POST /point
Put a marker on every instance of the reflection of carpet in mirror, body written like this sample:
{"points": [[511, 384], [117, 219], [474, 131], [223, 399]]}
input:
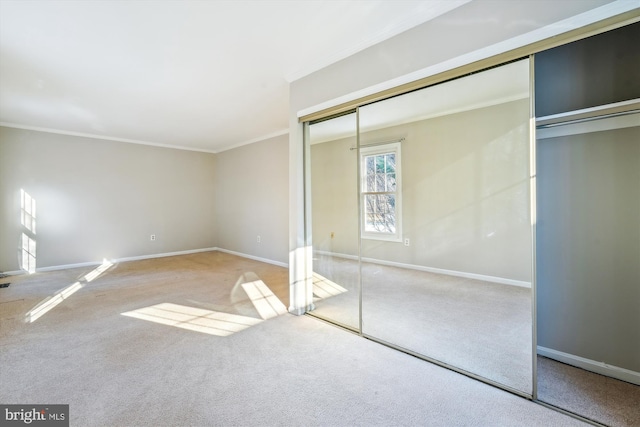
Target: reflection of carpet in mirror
{"points": [[597, 397], [478, 326]]}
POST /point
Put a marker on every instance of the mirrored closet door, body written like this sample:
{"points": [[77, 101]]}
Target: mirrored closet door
{"points": [[333, 200], [446, 227]]}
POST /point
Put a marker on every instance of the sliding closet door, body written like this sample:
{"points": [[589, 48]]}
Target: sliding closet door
{"points": [[333, 195], [445, 220]]}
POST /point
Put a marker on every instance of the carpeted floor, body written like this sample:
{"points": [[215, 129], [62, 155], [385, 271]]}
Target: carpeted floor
{"points": [[481, 327], [606, 400], [118, 370]]}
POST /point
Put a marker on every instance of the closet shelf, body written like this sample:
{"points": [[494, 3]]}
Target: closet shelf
{"points": [[601, 111]]}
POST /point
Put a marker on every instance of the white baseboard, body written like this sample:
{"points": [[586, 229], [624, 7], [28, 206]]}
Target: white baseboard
{"points": [[482, 277], [67, 266], [117, 260], [14, 272], [337, 255], [255, 258], [141, 257], [591, 365], [191, 251]]}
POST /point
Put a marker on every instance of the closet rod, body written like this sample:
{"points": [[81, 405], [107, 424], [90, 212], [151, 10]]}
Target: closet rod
{"points": [[587, 119], [608, 110]]}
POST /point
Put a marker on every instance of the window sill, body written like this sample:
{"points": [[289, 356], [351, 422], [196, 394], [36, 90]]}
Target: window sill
{"points": [[382, 237]]}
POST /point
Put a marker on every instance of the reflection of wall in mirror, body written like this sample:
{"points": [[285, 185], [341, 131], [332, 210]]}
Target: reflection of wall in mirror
{"points": [[465, 194]]}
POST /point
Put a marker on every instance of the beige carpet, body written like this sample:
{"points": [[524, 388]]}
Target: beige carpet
{"points": [[118, 370], [606, 400]]}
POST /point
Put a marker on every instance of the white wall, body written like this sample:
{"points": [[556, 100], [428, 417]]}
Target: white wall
{"points": [[588, 246], [103, 199], [252, 187]]}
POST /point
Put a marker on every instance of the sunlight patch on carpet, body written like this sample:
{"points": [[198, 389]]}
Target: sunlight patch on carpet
{"points": [[194, 319], [49, 303], [325, 288], [265, 302]]}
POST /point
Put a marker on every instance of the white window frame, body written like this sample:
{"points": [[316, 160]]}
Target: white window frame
{"points": [[393, 147]]}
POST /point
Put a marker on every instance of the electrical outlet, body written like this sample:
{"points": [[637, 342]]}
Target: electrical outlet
{"points": [[406, 242], [153, 237], [258, 239]]}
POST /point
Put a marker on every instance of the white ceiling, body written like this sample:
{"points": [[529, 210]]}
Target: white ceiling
{"points": [[202, 75]]}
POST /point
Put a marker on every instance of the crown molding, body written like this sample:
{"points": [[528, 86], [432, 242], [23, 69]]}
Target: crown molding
{"points": [[103, 137]]}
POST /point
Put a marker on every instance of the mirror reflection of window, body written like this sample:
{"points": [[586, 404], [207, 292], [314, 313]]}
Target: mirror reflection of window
{"points": [[381, 192]]}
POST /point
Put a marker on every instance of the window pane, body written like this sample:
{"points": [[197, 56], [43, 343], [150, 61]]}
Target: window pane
{"points": [[370, 165], [369, 203], [391, 182], [380, 182], [379, 164], [368, 226], [391, 163], [389, 202], [369, 208], [370, 183], [380, 213], [369, 173]]}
